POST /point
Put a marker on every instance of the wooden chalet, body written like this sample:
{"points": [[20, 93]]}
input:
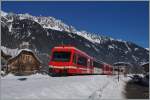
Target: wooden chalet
{"points": [[26, 62]]}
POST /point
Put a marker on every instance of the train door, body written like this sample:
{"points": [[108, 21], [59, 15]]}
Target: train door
{"points": [[74, 61], [88, 66], [82, 64], [111, 70], [107, 69], [95, 65], [104, 69], [91, 66]]}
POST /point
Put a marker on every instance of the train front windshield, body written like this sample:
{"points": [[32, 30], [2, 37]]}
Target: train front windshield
{"points": [[61, 56]]}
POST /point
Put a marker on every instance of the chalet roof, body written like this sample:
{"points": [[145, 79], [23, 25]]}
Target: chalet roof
{"points": [[19, 51], [25, 50]]}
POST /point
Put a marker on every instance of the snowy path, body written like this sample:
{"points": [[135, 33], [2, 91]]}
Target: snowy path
{"points": [[72, 87], [112, 89]]}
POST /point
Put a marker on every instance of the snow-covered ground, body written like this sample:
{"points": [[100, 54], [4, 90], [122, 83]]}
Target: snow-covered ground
{"points": [[72, 87]]}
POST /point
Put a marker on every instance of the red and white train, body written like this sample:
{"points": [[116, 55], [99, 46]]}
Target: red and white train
{"points": [[68, 60]]}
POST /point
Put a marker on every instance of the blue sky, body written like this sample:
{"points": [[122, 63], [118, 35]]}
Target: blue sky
{"points": [[121, 20]]}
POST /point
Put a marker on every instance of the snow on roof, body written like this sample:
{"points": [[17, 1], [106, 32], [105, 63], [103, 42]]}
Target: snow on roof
{"points": [[124, 63], [15, 52], [28, 50]]}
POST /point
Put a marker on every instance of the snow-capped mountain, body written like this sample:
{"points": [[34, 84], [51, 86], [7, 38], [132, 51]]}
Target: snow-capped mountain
{"points": [[45, 22], [43, 33], [55, 24]]}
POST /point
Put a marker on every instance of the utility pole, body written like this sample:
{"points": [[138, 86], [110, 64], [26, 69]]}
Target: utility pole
{"points": [[118, 73]]}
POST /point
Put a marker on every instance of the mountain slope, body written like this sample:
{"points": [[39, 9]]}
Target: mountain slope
{"points": [[43, 33]]}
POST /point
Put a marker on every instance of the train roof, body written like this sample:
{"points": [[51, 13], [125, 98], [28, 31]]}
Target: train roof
{"points": [[72, 47]]}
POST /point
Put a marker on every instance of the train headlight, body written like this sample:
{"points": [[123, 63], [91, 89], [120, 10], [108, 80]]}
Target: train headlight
{"points": [[50, 66]]}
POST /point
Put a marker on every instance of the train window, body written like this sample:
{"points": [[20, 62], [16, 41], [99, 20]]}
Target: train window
{"points": [[100, 65], [96, 64], [74, 58], [61, 56], [82, 61]]}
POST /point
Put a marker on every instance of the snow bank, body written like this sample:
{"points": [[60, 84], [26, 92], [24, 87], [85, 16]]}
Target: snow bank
{"points": [[45, 87]]}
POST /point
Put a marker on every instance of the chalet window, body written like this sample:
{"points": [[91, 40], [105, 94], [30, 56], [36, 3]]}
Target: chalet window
{"points": [[30, 59], [61, 56], [82, 61], [26, 57]]}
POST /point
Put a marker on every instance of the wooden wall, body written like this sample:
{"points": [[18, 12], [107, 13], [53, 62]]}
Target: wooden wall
{"points": [[24, 63]]}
